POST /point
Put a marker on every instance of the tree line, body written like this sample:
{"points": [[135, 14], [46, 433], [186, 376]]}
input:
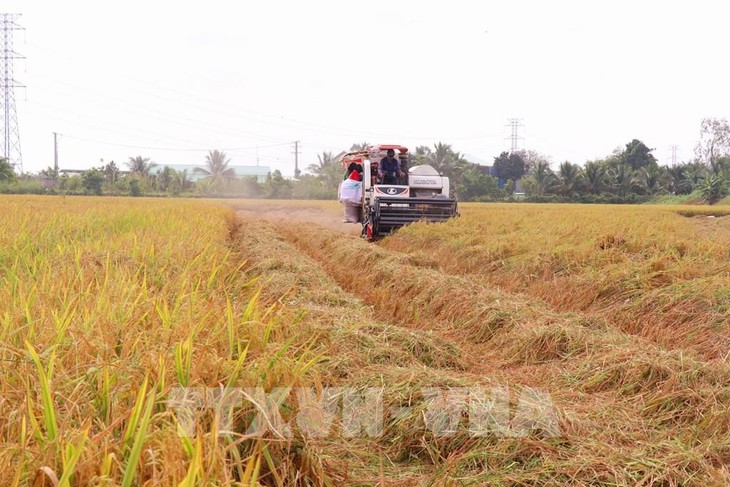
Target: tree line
{"points": [[629, 174]]}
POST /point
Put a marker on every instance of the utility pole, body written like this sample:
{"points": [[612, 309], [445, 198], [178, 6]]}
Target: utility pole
{"points": [[297, 172], [515, 124], [55, 153], [11, 135]]}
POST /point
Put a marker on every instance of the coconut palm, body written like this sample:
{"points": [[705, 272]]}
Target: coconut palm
{"points": [[326, 169], [570, 176], [217, 168], [543, 179], [595, 175], [443, 158], [650, 178], [359, 147], [140, 166], [621, 179]]}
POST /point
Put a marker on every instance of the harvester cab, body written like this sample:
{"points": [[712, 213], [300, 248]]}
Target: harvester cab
{"points": [[420, 193]]}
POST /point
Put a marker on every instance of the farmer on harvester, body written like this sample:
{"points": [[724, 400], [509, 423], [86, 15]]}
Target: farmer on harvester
{"points": [[389, 169]]}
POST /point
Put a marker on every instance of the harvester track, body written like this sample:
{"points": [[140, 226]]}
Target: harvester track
{"points": [[584, 361]]}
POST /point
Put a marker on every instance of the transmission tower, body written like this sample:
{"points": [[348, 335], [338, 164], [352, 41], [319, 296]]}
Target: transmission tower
{"points": [[11, 134], [515, 124], [674, 154]]}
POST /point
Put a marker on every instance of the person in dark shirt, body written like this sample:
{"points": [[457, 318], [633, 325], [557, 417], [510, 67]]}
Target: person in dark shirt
{"points": [[389, 168]]}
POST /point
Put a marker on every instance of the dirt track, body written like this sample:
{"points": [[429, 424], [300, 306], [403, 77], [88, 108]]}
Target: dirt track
{"points": [[325, 217]]}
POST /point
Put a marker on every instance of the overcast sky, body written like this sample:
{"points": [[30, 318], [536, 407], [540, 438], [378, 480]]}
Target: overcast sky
{"points": [[121, 79]]}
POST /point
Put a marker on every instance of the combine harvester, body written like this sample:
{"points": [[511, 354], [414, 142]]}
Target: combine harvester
{"points": [[421, 195]]}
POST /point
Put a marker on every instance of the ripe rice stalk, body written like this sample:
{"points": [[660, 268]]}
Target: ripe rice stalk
{"points": [[139, 439], [194, 472], [71, 455], [20, 467], [107, 465], [253, 466], [183, 359], [135, 415], [44, 375], [63, 320]]}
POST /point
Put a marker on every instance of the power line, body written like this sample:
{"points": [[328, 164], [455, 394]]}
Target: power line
{"points": [[11, 133], [163, 91], [130, 146]]}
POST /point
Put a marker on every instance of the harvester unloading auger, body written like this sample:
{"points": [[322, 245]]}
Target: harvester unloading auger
{"points": [[420, 194]]}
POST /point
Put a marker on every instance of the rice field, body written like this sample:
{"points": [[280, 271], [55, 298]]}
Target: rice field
{"points": [[182, 342]]}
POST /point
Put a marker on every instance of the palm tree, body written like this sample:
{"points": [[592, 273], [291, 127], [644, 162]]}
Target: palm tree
{"points": [[140, 166], [218, 169], [650, 177], [679, 182], [543, 178], [443, 158], [326, 169], [570, 177], [595, 174], [621, 178], [359, 147]]}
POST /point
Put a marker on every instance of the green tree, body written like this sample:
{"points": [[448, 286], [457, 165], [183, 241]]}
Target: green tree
{"points": [[696, 172], [359, 146], [327, 169], [92, 181], [311, 187], [637, 155], [180, 182], [678, 181], [509, 166], [570, 177], [532, 159], [111, 173], [541, 180], [714, 188], [443, 158], [217, 168], [7, 174], [651, 177], [621, 178], [714, 142], [140, 166], [476, 184], [135, 188], [49, 172], [595, 176], [250, 187], [277, 187], [164, 178]]}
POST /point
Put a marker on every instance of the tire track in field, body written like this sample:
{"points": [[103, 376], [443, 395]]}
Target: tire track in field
{"points": [[363, 351], [672, 395]]}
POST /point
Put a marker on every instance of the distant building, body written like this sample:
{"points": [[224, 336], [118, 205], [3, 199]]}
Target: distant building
{"points": [[259, 171]]}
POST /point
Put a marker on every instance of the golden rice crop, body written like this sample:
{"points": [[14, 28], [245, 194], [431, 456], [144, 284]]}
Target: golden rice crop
{"points": [[110, 304], [106, 305]]}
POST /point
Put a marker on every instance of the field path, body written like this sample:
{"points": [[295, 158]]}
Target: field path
{"points": [[329, 216]]}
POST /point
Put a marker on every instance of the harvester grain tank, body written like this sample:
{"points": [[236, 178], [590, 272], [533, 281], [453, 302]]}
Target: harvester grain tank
{"points": [[421, 194]]}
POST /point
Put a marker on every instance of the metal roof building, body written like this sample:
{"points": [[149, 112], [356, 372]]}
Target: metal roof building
{"points": [[259, 171]]}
